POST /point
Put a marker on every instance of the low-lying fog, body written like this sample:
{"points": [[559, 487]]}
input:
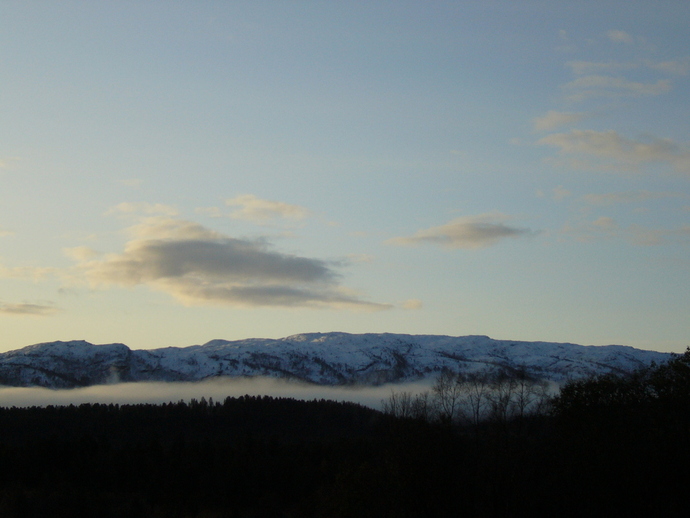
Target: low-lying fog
{"points": [[217, 388]]}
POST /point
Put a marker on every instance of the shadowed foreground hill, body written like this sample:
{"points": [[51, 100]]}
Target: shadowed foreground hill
{"points": [[614, 445]]}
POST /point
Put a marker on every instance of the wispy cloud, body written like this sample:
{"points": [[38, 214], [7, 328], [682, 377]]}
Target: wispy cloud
{"points": [[555, 119], [613, 198], [643, 236], [601, 228], [626, 154], [35, 273], [617, 36], [197, 265], [680, 67], [80, 253], [596, 67], [133, 183], [251, 208], [142, 208], [248, 207], [6, 162], [412, 304], [560, 193], [28, 309], [565, 43], [587, 87], [606, 228], [469, 232], [212, 212], [6, 233], [675, 67], [360, 258]]}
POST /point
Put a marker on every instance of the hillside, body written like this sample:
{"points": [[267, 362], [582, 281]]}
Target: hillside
{"points": [[320, 358]]}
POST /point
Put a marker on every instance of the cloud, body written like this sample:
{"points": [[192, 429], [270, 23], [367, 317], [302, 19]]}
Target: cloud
{"points": [[642, 236], [35, 273], [470, 232], [613, 198], [134, 183], [605, 228], [601, 228], [677, 67], [7, 161], [566, 45], [412, 304], [80, 253], [560, 193], [557, 193], [620, 37], [5, 233], [360, 258], [27, 309], [554, 119], [593, 67], [625, 153], [211, 212], [587, 87], [200, 266], [142, 208], [680, 67], [257, 210]]}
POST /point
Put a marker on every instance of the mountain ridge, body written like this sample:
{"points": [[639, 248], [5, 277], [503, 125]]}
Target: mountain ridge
{"points": [[334, 358]]}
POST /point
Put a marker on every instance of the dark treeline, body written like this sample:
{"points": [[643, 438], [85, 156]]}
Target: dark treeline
{"points": [[608, 446]]}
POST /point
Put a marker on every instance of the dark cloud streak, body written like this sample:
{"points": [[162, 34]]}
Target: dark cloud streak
{"points": [[468, 232], [27, 309]]}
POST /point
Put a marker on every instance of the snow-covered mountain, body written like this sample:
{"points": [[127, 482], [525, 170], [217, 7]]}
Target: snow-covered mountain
{"points": [[322, 358]]}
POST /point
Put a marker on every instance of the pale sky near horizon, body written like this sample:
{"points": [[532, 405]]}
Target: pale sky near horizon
{"points": [[175, 172]]}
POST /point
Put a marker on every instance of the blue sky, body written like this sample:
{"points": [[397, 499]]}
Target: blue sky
{"points": [[175, 172]]}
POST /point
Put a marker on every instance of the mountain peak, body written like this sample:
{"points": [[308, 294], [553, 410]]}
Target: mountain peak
{"points": [[321, 358]]}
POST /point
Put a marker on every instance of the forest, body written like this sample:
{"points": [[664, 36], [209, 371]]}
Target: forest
{"points": [[613, 445]]}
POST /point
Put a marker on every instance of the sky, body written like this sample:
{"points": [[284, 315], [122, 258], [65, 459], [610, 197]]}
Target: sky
{"points": [[175, 172]]}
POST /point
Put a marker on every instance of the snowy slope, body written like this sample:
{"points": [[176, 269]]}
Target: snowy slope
{"points": [[322, 358]]}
